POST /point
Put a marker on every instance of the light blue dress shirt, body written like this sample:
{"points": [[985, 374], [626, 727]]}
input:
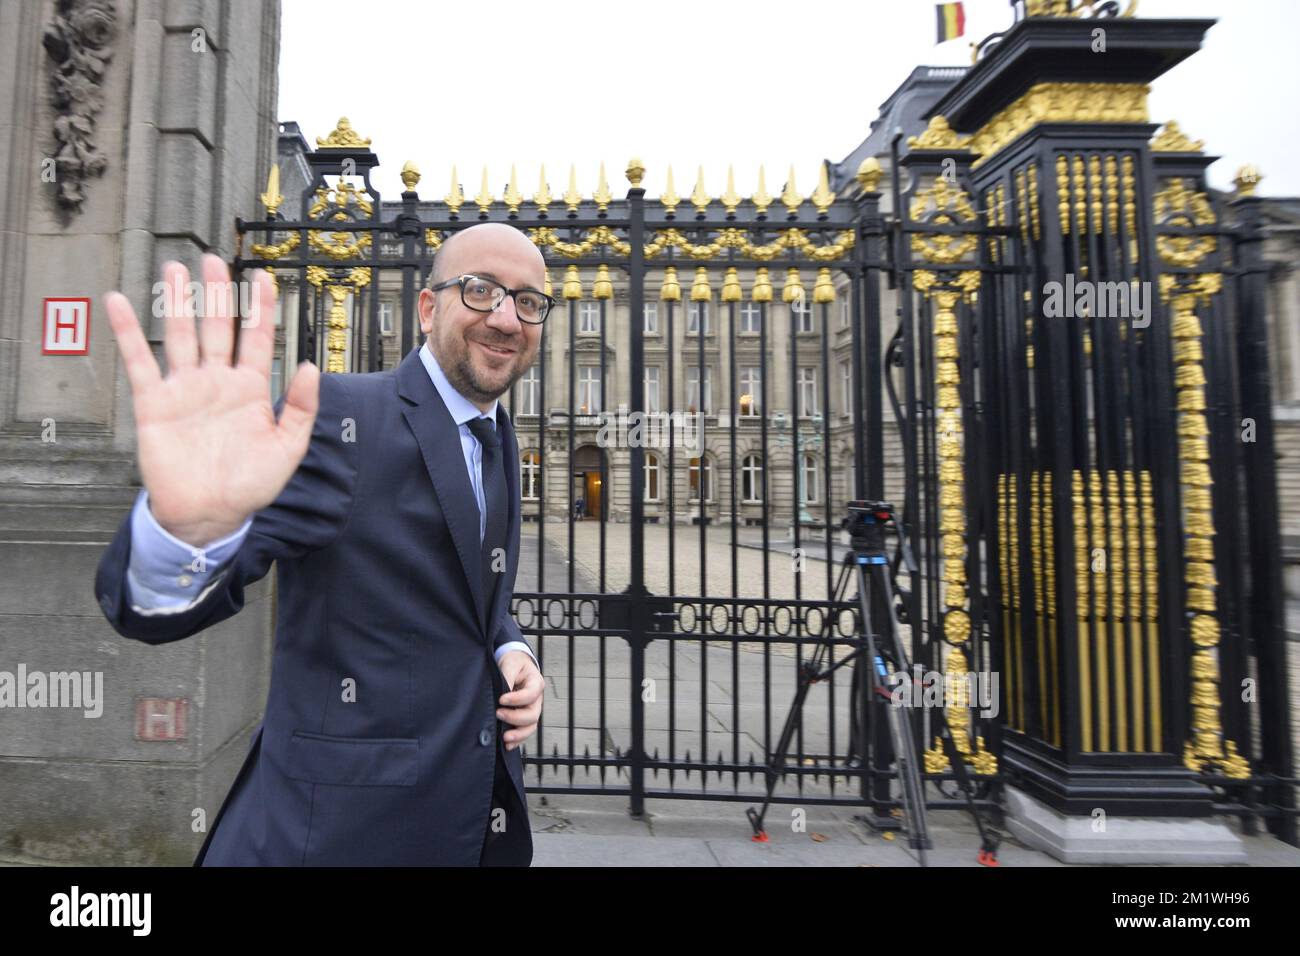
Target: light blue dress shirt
{"points": [[166, 576]]}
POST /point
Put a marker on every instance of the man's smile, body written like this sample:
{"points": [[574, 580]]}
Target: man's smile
{"points": [[496, 349]]}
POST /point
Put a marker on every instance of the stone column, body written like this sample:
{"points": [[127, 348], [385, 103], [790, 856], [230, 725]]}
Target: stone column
{"points": [[136, 132]]}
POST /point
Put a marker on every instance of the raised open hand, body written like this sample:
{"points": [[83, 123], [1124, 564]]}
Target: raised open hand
{"points": [[211, 451]]}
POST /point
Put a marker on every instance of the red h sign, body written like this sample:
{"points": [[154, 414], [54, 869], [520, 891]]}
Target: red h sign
{"points": [[161, 718], [67, 327]]}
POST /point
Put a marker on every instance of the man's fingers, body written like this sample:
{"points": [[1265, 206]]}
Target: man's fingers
{"points": [[529, 691], [257, 330], [515, 737], [179, 341], [218, 334], [299, 411], [141, 369], [520, 716]]}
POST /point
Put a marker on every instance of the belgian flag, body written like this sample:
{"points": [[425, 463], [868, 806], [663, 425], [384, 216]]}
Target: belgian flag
{"points": [[951, 21]]}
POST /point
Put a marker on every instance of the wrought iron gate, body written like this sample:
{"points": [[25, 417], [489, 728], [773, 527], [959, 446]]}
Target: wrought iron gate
{"points": [[1085, 521]]}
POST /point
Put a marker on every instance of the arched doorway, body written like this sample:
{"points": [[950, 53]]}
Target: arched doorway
{"points": [[590, 482]]}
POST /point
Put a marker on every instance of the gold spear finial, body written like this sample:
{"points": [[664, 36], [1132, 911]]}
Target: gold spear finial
{"points": [[761, 198], [513, 196], [543, 195], [484, 197], [272, 199], [822, 196], [700, 196], [602, 195], [456, 197], [669, 196], [790, 197], [730, 198], [572, 197]]}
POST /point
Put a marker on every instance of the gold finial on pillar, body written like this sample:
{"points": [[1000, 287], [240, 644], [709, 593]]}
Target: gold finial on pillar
{"points": [[868, 175], [410, 175], [342, 137], [635, 171], [1171, 139], [1247, 179]]}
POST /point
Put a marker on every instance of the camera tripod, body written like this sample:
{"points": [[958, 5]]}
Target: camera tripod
{"points": [[867, 523]]}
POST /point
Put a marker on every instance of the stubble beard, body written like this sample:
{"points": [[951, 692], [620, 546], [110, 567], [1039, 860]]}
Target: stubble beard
{"points": [[466, 380]]}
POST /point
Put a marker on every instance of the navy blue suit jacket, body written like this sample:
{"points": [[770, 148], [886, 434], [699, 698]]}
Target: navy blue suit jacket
{"points": [[376, 544]]}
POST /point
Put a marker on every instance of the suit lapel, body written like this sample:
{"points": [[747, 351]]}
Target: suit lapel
{"points": [[439, 441]]}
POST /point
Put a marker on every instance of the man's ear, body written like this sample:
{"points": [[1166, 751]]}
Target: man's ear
{"points": [[426, 306]]}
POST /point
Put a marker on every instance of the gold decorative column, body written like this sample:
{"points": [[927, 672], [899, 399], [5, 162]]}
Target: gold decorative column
{"points": [[1207, 749], [952, 520]]}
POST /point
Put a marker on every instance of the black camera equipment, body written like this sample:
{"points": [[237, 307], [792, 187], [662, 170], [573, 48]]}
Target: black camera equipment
{"points": [[868, 523]]}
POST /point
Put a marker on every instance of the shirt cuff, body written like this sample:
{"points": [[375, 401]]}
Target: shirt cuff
{"points": [[517, 646], [166, 575]]}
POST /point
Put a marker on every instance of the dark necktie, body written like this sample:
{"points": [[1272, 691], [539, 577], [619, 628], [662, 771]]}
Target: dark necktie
{"points": [[494, 496]]}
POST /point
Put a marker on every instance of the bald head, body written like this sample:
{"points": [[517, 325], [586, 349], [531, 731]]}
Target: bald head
{"points": [[482, 353], [460, 252]]}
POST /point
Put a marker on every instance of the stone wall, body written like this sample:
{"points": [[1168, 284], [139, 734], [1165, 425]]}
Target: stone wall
{"points": [[186, 132]]}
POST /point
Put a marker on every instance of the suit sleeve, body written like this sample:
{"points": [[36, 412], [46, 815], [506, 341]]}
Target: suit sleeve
{"points": [[308, 515], [165, 575], [509, 634]]}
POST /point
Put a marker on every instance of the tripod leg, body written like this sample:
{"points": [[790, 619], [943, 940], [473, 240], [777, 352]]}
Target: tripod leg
{"points": [[988, 854], [810, 672], [900, 725]]}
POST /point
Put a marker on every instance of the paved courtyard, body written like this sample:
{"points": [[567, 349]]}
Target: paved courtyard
{"points": [[719, 690]]}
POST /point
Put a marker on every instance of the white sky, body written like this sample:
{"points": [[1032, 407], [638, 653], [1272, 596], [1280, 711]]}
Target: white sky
{"points": [[712, 83]]}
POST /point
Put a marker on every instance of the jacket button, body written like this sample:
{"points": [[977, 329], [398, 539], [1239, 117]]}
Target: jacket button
{"points": [[484, 737]]}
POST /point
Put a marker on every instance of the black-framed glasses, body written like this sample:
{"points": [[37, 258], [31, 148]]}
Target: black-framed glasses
{"points": [[485, 295]]}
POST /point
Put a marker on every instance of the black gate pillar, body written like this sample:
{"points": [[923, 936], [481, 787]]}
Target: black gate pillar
{"points": [[1093, 474]]}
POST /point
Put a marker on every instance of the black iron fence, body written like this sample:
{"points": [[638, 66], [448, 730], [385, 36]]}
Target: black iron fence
{"points": [[1053, 474]]}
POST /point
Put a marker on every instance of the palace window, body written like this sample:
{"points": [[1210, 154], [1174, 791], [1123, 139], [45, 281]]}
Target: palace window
{"points": [[651, 476], [807, 391], [695, 479], [530, 475], [751, 479], [588, 390], [693, 400], [751, 388]]}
